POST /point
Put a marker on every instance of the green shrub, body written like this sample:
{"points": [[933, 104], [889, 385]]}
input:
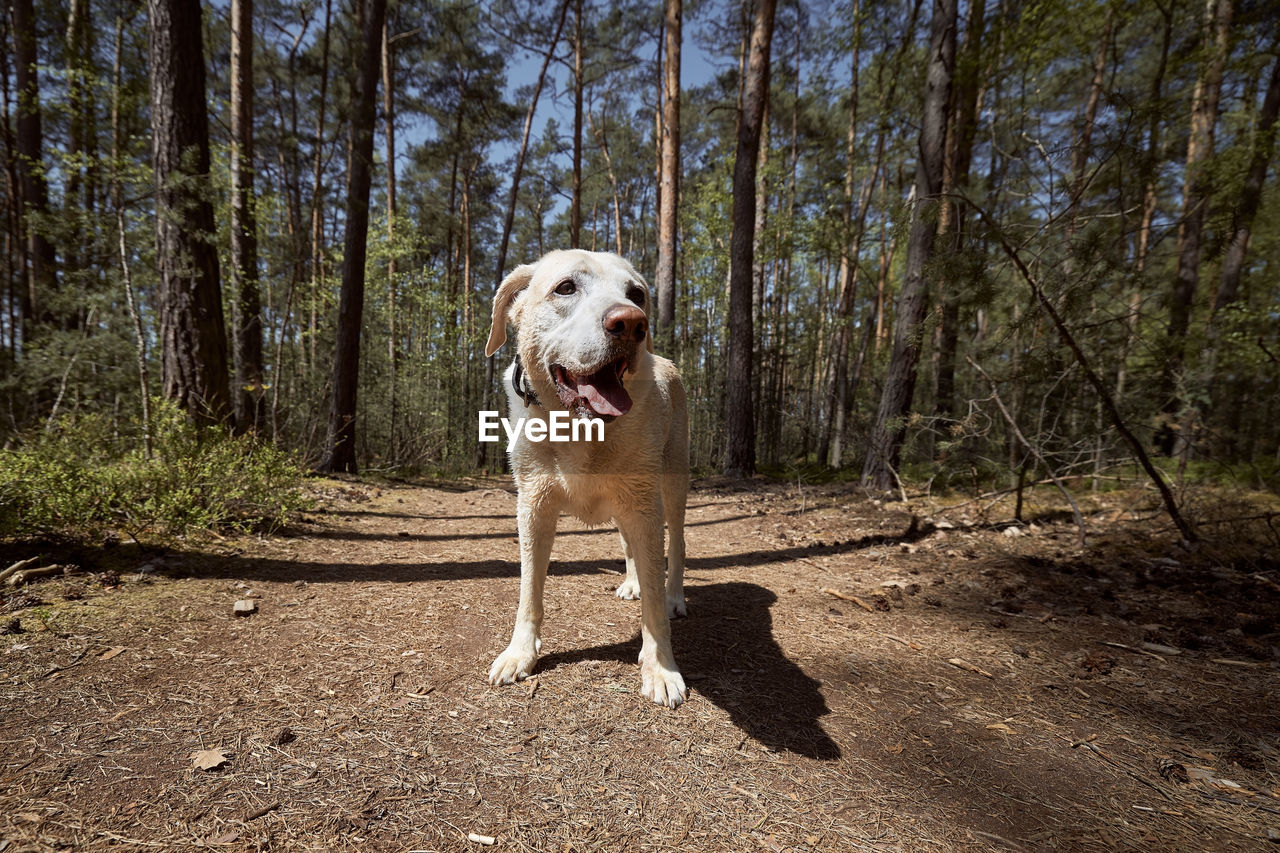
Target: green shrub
{"points": [[81, 479]]}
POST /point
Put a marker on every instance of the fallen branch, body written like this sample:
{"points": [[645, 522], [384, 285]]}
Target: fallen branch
{"points": [[844, 596], [1104, 396], [23, 576], [254, 815], [1116, 764], [18, 566], [1266, 581], [968, 667]]}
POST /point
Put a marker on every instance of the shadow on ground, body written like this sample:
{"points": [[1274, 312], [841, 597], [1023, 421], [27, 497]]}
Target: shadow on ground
{"points": [[727, 653]]}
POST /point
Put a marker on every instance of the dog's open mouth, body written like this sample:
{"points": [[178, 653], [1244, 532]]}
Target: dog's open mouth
{"points": [[598, 394]]}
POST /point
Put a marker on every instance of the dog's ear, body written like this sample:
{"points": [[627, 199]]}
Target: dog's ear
{"points": [[510, 288]]}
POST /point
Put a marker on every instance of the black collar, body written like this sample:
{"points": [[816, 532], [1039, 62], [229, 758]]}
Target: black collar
{"points": [[517, 384]]}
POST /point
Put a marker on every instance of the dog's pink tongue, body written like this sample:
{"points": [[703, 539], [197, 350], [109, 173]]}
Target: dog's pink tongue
{"points": [[604, 393]]}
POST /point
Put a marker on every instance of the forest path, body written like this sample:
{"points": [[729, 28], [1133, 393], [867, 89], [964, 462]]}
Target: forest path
{"points": [[973, 703]]}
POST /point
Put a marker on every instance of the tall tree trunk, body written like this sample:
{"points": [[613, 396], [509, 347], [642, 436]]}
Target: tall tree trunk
{"points": [[249, 391], [669, 189], [1151, 162], [18, 307], [193, 333], [953, 216], [758, 271], [1215, 31], [41, 279], [601, 135], [1150, 197], [575, 203], [341, 442], [389, 126], [291, 187], [831, 450], [117, 202], [879, 469], [740, 450], [317, 191], [1226, 389], [831, 446], [1246, 207], [82, 131], [1081, 147]]}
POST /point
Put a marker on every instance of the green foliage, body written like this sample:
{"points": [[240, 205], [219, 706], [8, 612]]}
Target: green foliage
{"points": [[82, 479]]}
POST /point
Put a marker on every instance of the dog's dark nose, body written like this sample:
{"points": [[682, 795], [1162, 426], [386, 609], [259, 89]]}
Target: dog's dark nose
{"points": [[626, 322]]}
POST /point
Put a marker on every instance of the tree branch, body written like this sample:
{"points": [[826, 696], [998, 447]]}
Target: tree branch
{"points": [[1108, 404]]}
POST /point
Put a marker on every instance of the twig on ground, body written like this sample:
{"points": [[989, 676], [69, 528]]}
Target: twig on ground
{"points": [[66, 666], [968, 667], [1094, 749], [254, 815], [844, 596]]}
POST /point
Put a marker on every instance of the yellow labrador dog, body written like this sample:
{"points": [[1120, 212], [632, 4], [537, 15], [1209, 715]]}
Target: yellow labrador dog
{"points": [[583, 347]]}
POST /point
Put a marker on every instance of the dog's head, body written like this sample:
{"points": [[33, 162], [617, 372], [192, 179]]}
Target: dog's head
{"points": [[582, 325]]}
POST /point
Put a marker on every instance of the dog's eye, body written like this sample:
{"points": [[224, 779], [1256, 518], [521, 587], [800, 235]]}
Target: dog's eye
{"points": [[568, 287], [636, 295]]}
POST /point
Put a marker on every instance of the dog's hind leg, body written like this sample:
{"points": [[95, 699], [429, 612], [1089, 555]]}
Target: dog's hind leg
{"points": [[675, 493], [536, 521], [629, 589], [660, 680]]}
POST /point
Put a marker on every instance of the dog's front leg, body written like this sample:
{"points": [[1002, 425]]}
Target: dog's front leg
{"points": [[629, 589], [660, 680], [536, 521]]}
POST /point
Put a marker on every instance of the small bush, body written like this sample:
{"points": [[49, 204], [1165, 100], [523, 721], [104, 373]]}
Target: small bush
{"points": [[81, 480]]}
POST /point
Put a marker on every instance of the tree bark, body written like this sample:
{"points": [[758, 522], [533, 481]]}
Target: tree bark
{"points": [[1150, 197], [602, 137], [831, 447], [117, 202], [1246, 208], [954, 216], [879, 469], [669, 189], [831, 450], [1196, 190], [341, 450], [1151, 162], [41, 277], [389, 133], [317, 189], [740, 419], [80, 197], [193, 334], [249, 391]]}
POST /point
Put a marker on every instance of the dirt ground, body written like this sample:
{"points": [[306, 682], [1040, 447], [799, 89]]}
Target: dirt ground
{"points": [[863, 676]]}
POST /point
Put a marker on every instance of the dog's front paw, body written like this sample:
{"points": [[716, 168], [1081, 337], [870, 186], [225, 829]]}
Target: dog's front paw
{"points": [[512, 665], [664, 686], [629, 590], [676, 607]]}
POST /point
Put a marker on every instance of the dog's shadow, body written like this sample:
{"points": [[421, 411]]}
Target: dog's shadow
{"points": [[727, 653]]}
